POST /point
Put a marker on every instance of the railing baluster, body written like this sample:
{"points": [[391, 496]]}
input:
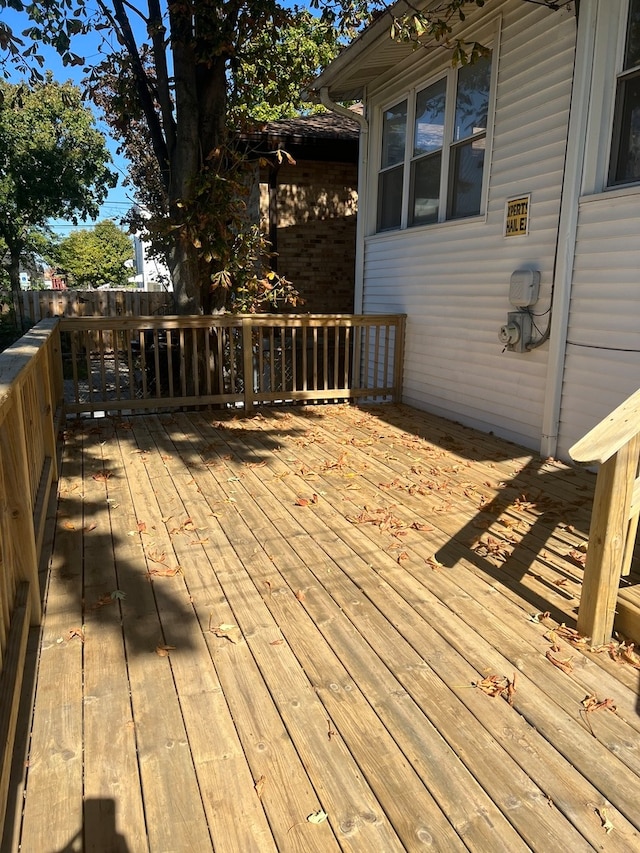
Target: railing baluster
{"points": [[183, 364], [156, 363], [143, 364], [303, 357], [170, 363]]}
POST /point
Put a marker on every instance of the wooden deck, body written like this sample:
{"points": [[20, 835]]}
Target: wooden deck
{"points": [[283, 633]]}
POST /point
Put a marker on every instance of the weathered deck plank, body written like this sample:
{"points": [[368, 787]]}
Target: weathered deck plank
{"points": [[349, 553]]}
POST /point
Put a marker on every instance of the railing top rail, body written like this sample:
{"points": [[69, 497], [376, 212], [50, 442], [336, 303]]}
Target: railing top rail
{"points": [[226, 320], [611, 434], [18, 357]]}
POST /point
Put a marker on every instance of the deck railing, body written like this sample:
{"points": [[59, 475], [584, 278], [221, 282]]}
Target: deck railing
{"points": [[150, 363], [613, 445], [30, 398], [85, 365]]}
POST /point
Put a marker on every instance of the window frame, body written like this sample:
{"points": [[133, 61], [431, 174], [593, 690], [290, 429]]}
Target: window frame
{"points": [[623, 76], [445, 201]]}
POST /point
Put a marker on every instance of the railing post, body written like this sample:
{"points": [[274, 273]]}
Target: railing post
{"points": [[247, 362], [607, 542], [17, 490], [398, 360]]}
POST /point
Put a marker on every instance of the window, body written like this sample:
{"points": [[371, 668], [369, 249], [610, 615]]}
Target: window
{"points": [[437, 137], [624, 167]]}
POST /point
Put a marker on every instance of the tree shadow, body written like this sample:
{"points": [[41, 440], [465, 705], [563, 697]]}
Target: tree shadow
{"points": [[557, 499]]}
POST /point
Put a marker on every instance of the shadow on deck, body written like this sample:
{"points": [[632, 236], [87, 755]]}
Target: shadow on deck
{"points": [[320, 629]]}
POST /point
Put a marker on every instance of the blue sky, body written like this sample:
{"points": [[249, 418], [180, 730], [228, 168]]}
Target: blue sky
{"points": [[118, 200]]}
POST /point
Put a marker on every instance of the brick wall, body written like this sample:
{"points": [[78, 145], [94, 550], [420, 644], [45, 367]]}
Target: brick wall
{"points": [[317, 204]]}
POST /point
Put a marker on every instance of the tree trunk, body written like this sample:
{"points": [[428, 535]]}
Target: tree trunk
{"points": [[15, 250]]}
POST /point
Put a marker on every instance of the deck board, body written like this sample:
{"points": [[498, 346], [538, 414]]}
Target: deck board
{"points": [[372, 567]]}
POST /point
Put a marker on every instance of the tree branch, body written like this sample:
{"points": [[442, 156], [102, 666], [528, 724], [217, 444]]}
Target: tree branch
{"points": [[158, 140]]}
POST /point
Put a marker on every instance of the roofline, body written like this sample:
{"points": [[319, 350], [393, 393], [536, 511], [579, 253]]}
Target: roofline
{"points": [[380, 27]]}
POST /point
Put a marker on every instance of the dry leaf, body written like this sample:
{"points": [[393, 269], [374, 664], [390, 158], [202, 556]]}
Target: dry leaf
{"points": [[164, 651], [229, 632], [606, 823], [75, 632], [259, 785], [498, 685], [317, 817], [565, 665], [300, 595], [301, 502], [142, 527], [165, 573], [101, 476], [69, 525]]}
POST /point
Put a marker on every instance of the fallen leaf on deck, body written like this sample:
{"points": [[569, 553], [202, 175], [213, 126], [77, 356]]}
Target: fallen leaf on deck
{"points": [[165, 573], [164, 651], [142, 527], [538, 617], [276, 642], [75, 632], [606, 823], [301, 502], [579, 557], [498, 685], [259, 785], [565, 665], [317, 817], [592, 703], [89, 527], [118, 594], [157, 556], [229, 632], [569, 635], [69, 525], [300, 595], [102, 601], [402, 556], [101, 476], [434, 563]]}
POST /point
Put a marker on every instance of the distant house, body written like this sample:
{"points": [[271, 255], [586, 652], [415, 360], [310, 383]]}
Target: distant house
{"points": [[307, 204], [500, 209]]}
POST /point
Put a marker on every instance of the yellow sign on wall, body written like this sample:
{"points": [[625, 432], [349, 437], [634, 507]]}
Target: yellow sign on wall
{"points": [[516, 222]]}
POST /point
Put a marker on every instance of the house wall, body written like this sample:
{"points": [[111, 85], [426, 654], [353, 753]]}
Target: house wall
{"points": [[317, 204], [602, 365], [452, 279]]}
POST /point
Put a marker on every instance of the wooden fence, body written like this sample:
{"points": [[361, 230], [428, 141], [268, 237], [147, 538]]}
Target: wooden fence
{"points": [[156, 363], [39, 304], [613, 445], [30, 402]]}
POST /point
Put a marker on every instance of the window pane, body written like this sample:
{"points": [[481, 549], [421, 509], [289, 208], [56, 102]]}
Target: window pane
{"points": [[425, 184], [394, 132], [467, 162], [390, 199], [632, 52], [472, 98], [429, 125], [626, 167]]}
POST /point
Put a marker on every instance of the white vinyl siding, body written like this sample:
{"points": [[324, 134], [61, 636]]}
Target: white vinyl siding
{"points": [[603, 340], [452, 279]]}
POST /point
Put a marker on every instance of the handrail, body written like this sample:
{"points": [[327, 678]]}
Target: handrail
{"points": [[614, 445], [144, 363], [30, 397], [608, 436]]}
